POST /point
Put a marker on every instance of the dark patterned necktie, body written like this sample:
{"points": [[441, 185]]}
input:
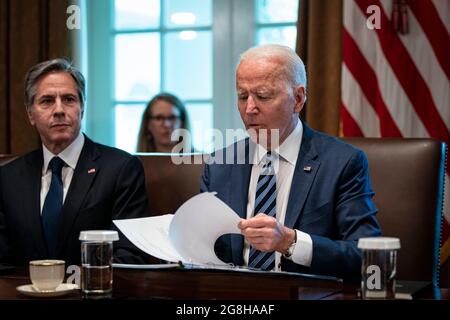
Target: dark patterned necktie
{"points": [[265, 202], [51, 211]]}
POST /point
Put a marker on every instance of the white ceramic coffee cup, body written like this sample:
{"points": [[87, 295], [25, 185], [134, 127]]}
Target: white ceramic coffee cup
{"points": [[47, 275]]}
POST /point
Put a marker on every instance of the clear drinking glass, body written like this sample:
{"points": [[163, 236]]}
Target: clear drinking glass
{"points": [[379, 267], [96, 262]]}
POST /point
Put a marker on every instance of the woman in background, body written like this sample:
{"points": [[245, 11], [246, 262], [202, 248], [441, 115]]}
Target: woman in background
{"points": [[164, 114]]}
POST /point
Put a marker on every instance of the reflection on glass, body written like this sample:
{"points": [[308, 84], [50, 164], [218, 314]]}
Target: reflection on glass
{"points": [[280, 35], [187, 35], [276, 11], [137, 14], [137, 65], [187, 13], [201, 120], [127, 120], [183, 18], [188, 65]]}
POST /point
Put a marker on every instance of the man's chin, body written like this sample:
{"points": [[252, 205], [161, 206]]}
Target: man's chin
{"points": [[62, 138], [255, 127]]}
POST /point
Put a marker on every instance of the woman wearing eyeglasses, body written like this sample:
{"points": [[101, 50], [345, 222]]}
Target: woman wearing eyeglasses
{"points": [[164, 114]]}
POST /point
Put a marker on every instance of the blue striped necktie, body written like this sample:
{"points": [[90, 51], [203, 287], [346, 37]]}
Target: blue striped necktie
{"points": [[53, 206], [265, 202]]}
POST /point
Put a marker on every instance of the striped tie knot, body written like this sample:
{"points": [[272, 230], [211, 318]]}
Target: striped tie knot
{"points": [[267, 168]]}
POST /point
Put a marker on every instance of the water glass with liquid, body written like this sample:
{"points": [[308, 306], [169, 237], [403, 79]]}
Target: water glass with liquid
{"points": [[379, 267], [96, 262]]}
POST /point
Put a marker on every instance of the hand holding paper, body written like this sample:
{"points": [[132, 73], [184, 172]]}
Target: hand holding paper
{"points": [[266, 233]]}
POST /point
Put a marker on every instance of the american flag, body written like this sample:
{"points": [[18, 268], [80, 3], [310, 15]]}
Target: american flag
{"points": [[396, 78]]}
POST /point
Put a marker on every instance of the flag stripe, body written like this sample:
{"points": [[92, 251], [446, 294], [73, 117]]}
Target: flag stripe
{"points": [[421, 52], [443, 10], [398, 103], [351, 128], [358, 106], [435, 30], [361, 70], [408, 75]]}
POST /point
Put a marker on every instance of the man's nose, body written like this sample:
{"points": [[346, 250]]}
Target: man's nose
{"points": [[251, 105], [58, 109]]}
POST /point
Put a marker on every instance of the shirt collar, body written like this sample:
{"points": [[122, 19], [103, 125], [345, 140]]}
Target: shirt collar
{"points": [[69, 155], [288, 150]]}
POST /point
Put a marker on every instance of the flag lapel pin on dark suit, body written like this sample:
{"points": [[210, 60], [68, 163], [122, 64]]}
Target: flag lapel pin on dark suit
{"points": [[92, 170], [307, 168]]}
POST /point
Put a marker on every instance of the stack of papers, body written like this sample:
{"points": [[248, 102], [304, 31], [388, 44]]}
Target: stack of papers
{"points": [[188, 235]]}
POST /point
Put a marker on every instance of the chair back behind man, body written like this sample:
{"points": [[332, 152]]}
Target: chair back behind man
{"points": [[171, 180], [408, 179], [5, 158]]}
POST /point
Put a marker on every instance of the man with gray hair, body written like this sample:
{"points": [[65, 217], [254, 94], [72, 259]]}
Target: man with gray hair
{"points": [[304, 200], [70, 183]]}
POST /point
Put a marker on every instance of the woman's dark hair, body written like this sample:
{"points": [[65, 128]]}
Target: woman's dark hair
{"points": [[146, 141]]}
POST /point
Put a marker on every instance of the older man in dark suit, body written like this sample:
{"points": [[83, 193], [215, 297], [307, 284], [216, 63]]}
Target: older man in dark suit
{"points": [[68, 185], [306, 199]]}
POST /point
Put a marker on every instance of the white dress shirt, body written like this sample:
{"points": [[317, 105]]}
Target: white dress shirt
{"points": [[284, 160], [70, 156]]}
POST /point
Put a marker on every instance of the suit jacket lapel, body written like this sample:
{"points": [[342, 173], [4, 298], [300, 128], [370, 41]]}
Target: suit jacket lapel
{"points": [[82, 179], [32, 184], [240, 181], [304, 174]]}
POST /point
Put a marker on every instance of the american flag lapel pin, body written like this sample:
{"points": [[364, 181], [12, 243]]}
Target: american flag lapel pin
{"points": [[307, 168], [92, 170]]}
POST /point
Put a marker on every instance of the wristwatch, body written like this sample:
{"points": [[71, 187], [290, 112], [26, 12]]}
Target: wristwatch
{"points": [[290, 249]]}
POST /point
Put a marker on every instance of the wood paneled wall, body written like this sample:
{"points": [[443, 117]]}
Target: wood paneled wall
{"points": [[31, 31]]}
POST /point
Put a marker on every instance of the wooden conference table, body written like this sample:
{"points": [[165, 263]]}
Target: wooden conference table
{"points": [[212, 284]]}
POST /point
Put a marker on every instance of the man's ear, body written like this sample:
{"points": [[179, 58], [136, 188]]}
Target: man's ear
{"points": [[300, 98], [30, 116]]}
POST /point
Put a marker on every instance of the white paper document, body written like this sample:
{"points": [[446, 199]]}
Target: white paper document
{"points": [[189, 235]]}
